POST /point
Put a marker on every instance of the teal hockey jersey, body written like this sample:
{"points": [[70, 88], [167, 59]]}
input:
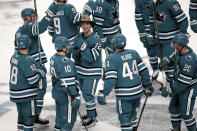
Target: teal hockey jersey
{"points": [[30, 29], [63, 69], [23, 78], [64, 23], [127, 74], [89, 63], [171, 19]]}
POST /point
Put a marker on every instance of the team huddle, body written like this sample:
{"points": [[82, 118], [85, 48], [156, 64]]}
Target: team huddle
{"points": [[77, 66]]}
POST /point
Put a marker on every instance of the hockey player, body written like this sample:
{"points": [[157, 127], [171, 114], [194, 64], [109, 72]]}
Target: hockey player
{"points": [[65, 92], [184, 86], [170, 20], [36, 51], [128, 75], [24, 83], [193, 15], [65, 22], [106, 16], [145, 25], [87, 55]]}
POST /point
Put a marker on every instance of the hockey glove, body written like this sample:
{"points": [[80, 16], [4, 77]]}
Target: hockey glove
{"points": [[149, 90], [193, 25], [143, 38], [166, 90], [41, 73], [115, 14], [76, 102], [52, 10], [150, 39], [54, 80], [101, 98], [103, 42], [165, 61]]}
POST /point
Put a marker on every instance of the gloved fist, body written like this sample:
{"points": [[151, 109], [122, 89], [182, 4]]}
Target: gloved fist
{"points": [[76, 102], [149, 90], [165, 61], [193, 25], [54, 79], [164, 92], [41, 73], [52, 10], [143, 37], [150, 39], [101, 98], [146, 39]]}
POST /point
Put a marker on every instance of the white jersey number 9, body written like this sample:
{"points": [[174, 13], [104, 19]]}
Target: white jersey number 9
{"points": [[14, 73], [57, 25]]}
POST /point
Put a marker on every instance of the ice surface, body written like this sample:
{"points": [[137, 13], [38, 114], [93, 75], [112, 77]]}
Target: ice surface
{"points": [[155, 117]]}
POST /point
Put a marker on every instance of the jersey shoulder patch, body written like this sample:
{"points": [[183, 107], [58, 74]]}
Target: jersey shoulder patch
{"points": [[188, 57], [65, 59]]}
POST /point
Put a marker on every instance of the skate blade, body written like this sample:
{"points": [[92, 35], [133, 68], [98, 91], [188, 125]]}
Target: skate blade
{"points": [[36, 125], [89, 126]]}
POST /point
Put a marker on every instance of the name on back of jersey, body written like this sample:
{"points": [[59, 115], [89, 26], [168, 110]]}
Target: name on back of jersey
{"points": [[59, 13], [126, 57]]}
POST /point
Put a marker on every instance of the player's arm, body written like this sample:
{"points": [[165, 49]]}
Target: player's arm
{"points": [[178, 14], [91, 54], [143, 71], [139, 16], [72, 14], [110, 76], [67, 77], [193, 15], [28, 68], [43, 24], [89, 7], [51, 28], [186, 76]]}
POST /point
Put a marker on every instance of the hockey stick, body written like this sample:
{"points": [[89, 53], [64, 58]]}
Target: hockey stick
{"points": [[38, 33], [160, 48], [140, 117]]}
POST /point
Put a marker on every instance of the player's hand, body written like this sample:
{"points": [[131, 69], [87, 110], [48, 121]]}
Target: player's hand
{"points": [[76, 102], [193, 24], [165, 61], [143, 37], [164, 92], [150, 39], [149, 90], [52, 10], [101, 98], [54, 79], [41, 73]]}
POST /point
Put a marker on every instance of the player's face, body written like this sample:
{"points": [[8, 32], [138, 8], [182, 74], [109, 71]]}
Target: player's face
{"points": [[33, 17], [86, 26]]}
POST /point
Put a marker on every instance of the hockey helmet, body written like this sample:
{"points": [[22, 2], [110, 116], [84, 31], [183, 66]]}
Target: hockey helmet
{"points": [[23, 42], [86, 18], [119, 40], [60, 42], [180, 39], [27, 12]]}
